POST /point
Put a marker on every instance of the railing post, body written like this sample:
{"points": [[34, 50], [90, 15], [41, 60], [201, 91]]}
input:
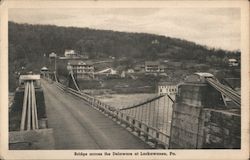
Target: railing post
{"points": [[133, 124], [146, 136], [92, 103], [117, 116], [127, 121], [139, 130], [157, 138]]}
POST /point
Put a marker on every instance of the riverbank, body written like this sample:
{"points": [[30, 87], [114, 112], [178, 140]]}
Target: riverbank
{"points": [[124, 100]]}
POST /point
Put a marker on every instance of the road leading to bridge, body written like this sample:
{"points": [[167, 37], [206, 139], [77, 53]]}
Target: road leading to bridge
{"points": [[78, 126]]}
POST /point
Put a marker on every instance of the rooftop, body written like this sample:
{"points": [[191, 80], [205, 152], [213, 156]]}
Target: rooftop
{"points": [[29, 77], [79, 62], [152, 63], [44, 68], [232, 60], [71, 51], [52, 54], [204, 74], [167, 83]]}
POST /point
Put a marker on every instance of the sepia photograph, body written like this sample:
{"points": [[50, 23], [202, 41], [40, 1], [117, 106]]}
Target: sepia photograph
{"points": [[121, 79]]}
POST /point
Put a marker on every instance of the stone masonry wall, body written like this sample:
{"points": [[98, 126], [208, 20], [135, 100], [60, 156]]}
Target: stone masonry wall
{"points": [[186, 129], [222, 129], [198, 123]]}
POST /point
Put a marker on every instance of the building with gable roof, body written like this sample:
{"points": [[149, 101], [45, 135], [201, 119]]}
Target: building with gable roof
{"points": [[82, 69]]}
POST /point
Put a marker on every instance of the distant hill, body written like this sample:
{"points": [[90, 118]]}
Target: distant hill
{"points": [[29, 45]]}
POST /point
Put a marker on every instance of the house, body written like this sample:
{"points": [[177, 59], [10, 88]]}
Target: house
{"points": [[107, 71], [232, 62], [139, 68], [169, 88], [111, 57], [81, 69], [52, 55], [69, 53], [153, 67], [131, 71]]}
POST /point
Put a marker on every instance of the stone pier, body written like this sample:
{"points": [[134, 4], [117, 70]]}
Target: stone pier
{"points": [[200, 118]]}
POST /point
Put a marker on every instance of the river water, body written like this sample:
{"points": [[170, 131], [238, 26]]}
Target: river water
{"points": [[157, 114]]}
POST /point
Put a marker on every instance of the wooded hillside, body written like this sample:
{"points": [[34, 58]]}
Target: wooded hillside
{"points": [[29, 43]]}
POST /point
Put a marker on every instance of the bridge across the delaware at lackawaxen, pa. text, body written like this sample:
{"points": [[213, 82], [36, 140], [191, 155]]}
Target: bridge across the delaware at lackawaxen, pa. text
{"points": [[76, 120]]}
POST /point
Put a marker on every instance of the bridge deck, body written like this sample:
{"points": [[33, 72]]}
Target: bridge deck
{"points": [[78, 126]]}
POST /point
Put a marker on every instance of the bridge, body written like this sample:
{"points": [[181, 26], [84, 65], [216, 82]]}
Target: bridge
{"points": [[77, 125], [81, 121]]}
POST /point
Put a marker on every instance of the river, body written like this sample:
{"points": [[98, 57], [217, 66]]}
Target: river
{"points": [[157, 114]]}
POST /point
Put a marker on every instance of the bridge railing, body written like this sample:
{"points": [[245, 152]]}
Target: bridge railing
{"points": [[155, 113], [154, 135], [143, 129]]}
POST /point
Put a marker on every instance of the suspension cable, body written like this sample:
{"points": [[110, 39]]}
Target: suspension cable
{"points": [[140, 104], [72, 76], [158, 110], [167, 124], [226, 91], [164, 112], [148, 111]]}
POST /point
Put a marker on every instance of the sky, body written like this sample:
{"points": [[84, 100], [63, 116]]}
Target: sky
{"points": [[213, 27]]}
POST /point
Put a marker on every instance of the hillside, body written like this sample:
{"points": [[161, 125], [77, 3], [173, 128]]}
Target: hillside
{"points": [[29, 45]]}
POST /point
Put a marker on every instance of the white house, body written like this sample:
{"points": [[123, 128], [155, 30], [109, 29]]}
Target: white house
{"points": [[69, 53], [232, 62], [131, 71], [107, 71], [81, 68], [153, 67], [169, 88]]}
